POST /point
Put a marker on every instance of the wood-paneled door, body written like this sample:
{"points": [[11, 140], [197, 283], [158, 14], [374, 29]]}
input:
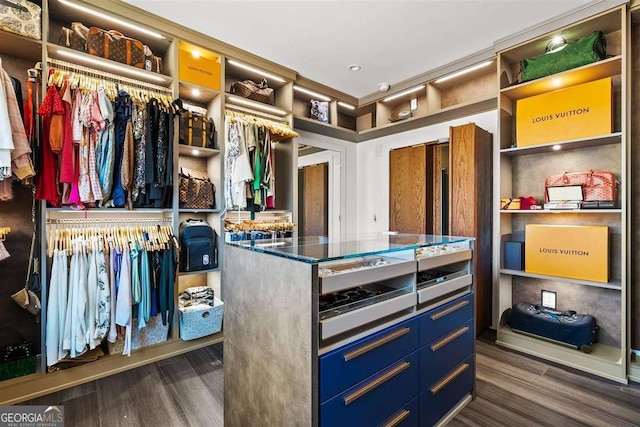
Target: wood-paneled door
{"points": [[408, 189], [314, 203], [470, 206]]}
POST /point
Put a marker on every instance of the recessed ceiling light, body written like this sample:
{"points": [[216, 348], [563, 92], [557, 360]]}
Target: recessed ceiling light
{"points": [[355, 67], [383, 87]]}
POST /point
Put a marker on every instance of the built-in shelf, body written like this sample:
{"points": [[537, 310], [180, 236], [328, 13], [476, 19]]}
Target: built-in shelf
{"points": [[191, 273], [440, 116], [109, 210], [199, 211], [192, 151], [603, 360], [599, 70], [562, 211], [100, 64], [20, 47], [22, 388], [594, 141], [193, 93], [613, 284], [327, 129], [259, 107]]}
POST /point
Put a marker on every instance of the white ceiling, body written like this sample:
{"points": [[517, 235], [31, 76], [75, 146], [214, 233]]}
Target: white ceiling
{"points": [[392, 40]]}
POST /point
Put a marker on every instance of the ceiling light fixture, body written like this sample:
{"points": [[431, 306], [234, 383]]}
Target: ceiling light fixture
{"points": [[406, 92], [312, 93], [345, 105], [383, 87], [232, 99], [112, 65], [257, 71], [355, 67], [465, 71], [129, 25]]}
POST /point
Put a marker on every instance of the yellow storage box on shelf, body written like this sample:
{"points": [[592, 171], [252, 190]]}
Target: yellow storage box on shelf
{"points": [[572, 251], [576, 112], [199, 66]]}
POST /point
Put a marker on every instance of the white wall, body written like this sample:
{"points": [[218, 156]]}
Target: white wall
{"points": [[347, 169], [372, 179]]}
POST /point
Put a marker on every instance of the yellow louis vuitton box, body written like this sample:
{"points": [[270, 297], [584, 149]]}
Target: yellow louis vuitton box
{"points": [[199, 66], [573, 251], [576, 112]]}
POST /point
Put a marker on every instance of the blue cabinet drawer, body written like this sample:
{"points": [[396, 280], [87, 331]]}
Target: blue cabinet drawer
{"points": [[407, 416], [445, 394], [375, 399], [344, 367], [445, 353], [438, 321]]}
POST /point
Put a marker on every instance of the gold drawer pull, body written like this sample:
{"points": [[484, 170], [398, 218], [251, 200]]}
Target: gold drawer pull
{"points": [[377, 343], [375, 383], [451, 309], [446, 340], [398, 418], [446, 380]]}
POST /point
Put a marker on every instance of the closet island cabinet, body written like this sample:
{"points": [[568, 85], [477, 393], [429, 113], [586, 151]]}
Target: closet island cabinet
{"points": [[174, 45], [367, 330], [521, 169]]}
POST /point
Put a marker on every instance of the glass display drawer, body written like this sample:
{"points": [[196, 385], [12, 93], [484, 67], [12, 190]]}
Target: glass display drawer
{"points": [[337, 276]]}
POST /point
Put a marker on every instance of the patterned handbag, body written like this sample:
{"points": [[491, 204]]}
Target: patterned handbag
{"points": [[152, 62], [21, 17], [596, 185], [74, 37], [260, 92], [115, 46], [196, 191]]}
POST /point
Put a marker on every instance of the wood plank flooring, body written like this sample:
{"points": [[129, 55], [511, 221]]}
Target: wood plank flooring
{"points": [[513, 390]]}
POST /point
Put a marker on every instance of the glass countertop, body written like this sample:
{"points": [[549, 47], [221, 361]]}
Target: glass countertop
{"points": [[323, 248]]}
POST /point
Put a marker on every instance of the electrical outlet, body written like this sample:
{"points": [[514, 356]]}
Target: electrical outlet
{"points": [[549, 299]]}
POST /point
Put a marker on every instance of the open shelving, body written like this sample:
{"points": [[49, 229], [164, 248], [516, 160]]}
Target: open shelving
{"points": [[521, 171]]}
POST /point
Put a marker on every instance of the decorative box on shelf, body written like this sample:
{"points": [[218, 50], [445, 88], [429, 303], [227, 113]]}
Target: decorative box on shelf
{"points": [[154, 333], [572, 251], [200, 320], [576, 112]]}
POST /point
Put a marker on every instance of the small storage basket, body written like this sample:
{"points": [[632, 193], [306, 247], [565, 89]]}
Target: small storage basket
{"points": [[200, 320]]}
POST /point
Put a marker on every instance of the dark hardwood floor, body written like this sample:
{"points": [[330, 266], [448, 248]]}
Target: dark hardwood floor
{"points": [[512, 390]]}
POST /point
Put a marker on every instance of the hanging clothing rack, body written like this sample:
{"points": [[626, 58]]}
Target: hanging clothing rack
{"points": [[108, 220], [91, 79], [276, 125]]}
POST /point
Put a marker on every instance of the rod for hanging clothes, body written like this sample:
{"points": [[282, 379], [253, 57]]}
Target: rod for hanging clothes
{"points": [[248, 113], [68, 66], [274, 124], [107, 220]]}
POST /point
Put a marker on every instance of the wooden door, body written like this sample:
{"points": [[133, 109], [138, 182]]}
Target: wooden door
{"points": [[471, 199], [407, 189], [315, 200]]}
